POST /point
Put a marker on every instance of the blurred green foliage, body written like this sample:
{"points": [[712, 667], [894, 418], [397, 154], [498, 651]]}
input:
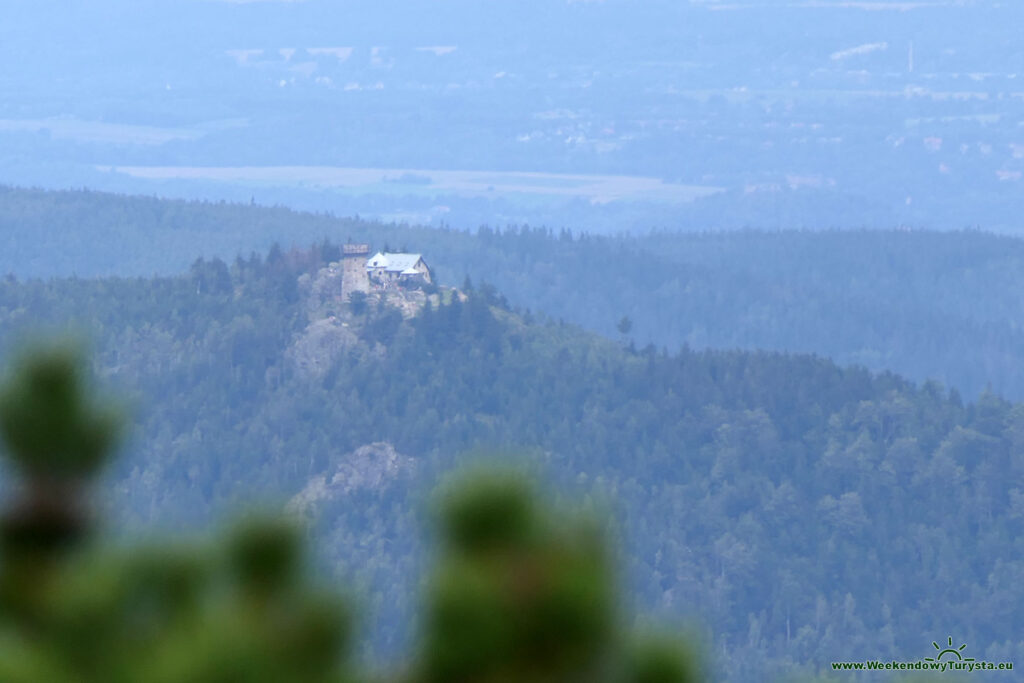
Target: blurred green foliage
{"points": [[520, 592], [50, 431]]}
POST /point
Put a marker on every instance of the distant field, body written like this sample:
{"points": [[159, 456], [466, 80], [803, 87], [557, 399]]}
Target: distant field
{"points": [[597, 189]]}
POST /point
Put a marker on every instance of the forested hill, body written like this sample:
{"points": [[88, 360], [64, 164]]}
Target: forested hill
{"points": [[806, 512], [944, 306]]}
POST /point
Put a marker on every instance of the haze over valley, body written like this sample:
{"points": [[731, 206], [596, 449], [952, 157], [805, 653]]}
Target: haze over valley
{"points": [[765, 115]]}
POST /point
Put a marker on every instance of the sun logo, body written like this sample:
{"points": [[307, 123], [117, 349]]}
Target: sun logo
{"points": [[949, 651]]}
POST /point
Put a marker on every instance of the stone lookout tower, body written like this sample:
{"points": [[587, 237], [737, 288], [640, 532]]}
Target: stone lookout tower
{"points": [[353, 269]]}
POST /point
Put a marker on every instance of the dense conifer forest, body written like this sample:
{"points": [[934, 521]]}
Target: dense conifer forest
{"points": [[927, 305], [800, 511], [521, 590]]}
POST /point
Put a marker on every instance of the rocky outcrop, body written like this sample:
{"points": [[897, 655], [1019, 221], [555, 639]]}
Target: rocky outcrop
{"points": [[322, 292], [320, 344], [371, 467], [334, 328], [408, 302]]}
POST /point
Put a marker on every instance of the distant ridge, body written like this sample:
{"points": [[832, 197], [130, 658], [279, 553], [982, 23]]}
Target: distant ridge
{"points": [[929, 305]]}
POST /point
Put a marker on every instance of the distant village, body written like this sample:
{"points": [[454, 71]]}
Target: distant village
{"points": [[382, 271]]}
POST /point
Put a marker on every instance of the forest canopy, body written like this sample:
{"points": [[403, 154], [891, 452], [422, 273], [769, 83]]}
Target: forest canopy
{"points": [[804, 511], [929, 305], [517, 594]]}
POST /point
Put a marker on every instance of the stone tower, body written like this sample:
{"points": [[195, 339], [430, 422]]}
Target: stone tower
{"points": [[353, 269]]}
